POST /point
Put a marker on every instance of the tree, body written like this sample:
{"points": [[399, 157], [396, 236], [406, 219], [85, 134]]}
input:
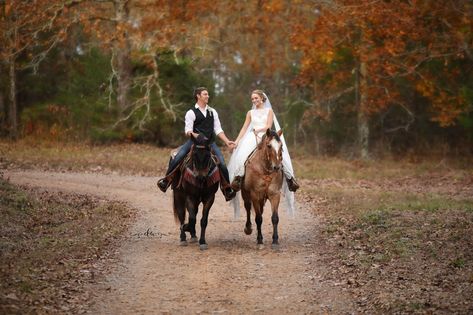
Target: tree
{"points": [[30, 32], [136, 33], [370, 49], [247, 47]]}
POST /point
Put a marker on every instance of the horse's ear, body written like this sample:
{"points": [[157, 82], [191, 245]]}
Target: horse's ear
{"points": [[268, 132], [279, 132]]}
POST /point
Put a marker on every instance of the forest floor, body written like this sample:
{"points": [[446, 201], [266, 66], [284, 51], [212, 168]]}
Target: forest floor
{"points": [[367, 238]]}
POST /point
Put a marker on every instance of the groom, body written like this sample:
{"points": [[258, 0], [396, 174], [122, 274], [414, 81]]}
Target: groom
{"points": [[202, 121]]}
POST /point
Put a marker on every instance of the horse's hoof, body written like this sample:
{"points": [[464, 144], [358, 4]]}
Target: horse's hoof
{"points": [[193, 240], [260, 246], [204, 246], [248, 231], [275, 247], [183, 243]]}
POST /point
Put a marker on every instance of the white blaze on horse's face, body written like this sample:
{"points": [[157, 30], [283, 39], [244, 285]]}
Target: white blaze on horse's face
{"points": [[277, 147]]}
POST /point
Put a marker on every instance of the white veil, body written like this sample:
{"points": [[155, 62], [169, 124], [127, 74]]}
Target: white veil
{"points": [[288, 195], [287, 164]]}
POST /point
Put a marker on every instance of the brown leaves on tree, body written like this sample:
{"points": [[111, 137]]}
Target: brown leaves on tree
{"points": [[396, 40]]}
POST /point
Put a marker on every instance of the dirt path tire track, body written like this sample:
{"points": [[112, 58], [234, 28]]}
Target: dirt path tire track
{"points": [[154, 275]]}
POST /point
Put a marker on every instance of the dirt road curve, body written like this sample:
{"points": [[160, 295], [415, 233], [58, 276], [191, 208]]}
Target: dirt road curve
{"points": [[156, 276]]}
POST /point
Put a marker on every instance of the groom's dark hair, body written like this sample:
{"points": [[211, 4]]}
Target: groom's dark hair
{"points": [[199, 90]]}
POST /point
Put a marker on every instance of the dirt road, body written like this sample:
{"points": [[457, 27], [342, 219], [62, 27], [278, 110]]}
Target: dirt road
{"points": [[156, 276]]}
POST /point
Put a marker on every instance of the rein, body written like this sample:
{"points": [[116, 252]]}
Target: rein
{"points": [[256, 137]]}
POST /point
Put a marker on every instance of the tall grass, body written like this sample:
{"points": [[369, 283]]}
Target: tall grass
{"points": [[151, 160], [122, 158]]}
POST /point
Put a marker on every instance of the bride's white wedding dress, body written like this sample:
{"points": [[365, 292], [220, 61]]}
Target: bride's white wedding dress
{"points": [[247, 143], [236, 165]]}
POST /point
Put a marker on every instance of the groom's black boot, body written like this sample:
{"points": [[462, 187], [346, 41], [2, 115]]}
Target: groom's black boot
{"points": [[229, 193], [227, 189], [292, 184], [163, 184], [236, 183]]}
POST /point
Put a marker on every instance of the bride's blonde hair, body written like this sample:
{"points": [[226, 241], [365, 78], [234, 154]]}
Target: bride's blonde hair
{"points": [[260, 93]]}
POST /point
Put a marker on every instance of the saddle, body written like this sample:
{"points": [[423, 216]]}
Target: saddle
{"points": [[187, 173]]}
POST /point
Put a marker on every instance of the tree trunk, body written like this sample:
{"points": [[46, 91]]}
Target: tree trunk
{"points": [[2, 111], [124, 79], [12, 112], [362, 118], [122, 55]]}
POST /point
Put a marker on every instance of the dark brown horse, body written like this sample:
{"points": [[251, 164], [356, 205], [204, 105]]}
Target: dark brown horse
{"points": [[263, 181], [197, 182]]}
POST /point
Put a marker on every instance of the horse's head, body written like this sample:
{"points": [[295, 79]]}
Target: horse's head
{"points": [[201, 158], [272, 144]]}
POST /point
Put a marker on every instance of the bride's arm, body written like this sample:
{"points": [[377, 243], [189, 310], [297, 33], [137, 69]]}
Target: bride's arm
{"points": [[243, 129], [269, 122]]}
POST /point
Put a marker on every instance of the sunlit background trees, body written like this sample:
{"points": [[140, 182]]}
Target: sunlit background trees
{"points": [[357, 78]]}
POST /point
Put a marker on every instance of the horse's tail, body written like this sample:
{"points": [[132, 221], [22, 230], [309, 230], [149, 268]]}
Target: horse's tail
{"points": [[179, 206]]}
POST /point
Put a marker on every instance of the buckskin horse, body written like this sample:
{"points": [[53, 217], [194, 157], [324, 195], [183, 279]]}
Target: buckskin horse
{"points": [[263, 181], [196, 182]]}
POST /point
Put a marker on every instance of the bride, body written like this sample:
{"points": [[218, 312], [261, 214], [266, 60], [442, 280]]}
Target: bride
{"points": [[258, 120]]}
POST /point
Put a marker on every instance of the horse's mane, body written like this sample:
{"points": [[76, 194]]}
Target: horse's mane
{"points": [[273, 134]]}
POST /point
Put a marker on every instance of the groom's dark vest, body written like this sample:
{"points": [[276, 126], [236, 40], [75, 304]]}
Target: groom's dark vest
{"points": [[204, 125]]}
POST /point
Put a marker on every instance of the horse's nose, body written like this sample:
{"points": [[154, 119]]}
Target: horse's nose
{"points": [[276, 167]]}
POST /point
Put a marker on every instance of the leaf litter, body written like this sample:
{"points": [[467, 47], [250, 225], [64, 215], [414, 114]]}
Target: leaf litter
{"points": [[51, 247]]}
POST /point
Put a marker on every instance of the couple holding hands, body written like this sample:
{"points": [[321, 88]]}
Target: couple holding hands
{"points": [[202, 121]]}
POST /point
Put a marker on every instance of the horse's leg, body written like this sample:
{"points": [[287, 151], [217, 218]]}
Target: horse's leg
{"points": [[247, 203], [180, 212], [203, 222], [192, 231], [259, 222], [275, 220], [248, 228], [192, 206]]}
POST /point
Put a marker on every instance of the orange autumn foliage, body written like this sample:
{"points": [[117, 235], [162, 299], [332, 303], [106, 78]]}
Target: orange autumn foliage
{"points": [[397, 41]]}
